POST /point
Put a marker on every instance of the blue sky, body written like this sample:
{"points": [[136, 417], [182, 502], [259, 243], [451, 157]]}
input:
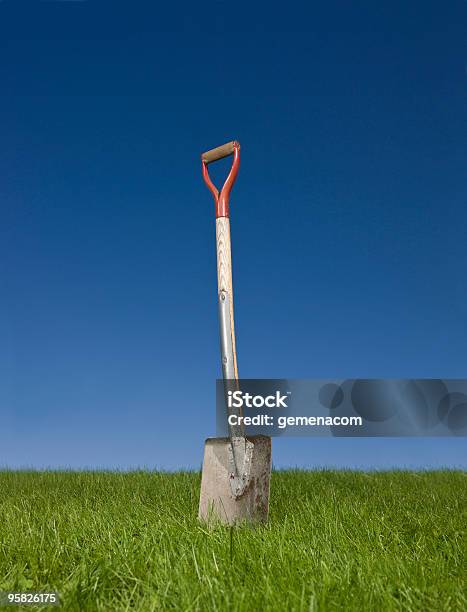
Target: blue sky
{"points": [[348, 218]]}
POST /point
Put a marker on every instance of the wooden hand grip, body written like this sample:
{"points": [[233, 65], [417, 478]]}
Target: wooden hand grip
{"points": [[220, 152]]}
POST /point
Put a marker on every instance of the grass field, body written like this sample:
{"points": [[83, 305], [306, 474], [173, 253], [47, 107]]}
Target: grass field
{"points": [[335, 541]]}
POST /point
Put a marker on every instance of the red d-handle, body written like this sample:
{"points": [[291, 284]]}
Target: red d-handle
{"points": [[221, 199]]}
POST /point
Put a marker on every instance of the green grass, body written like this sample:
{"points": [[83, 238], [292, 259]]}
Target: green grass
{"points": [[336, 540]]}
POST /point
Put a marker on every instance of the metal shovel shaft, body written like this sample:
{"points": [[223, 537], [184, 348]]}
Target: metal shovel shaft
{"points": [[226, 315]]}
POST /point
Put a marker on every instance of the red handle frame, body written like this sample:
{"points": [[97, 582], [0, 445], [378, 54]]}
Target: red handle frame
{"points": [[221, 198]]}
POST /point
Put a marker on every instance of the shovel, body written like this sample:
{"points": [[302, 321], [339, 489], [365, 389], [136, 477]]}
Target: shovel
{"points": [[236, 470]]}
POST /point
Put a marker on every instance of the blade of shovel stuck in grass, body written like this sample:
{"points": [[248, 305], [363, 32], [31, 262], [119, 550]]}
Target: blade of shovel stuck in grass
{"points": [[217, 504]]}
